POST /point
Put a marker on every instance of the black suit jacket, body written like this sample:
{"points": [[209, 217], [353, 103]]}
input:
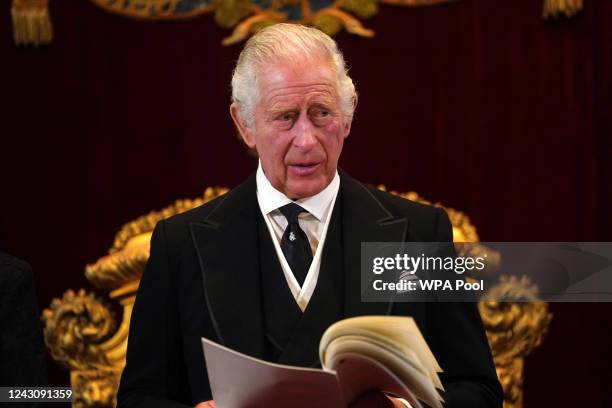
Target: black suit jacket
{"points": [[22, 350], [202, 280]]}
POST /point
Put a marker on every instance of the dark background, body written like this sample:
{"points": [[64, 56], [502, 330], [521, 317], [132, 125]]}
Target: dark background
{"points": [[481, 105]]}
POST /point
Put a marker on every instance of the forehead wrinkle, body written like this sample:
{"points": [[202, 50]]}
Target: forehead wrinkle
{"points": [[277, 99], [290, 91]]}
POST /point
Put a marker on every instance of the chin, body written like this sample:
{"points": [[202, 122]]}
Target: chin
{"points": [[306, 190]]}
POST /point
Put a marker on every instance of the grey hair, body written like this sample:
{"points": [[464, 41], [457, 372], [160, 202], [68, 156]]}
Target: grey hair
{"points": [[287, 42]]}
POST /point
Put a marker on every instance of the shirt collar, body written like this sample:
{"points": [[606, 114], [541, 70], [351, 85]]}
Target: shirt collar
{"points": [[271, 199]]}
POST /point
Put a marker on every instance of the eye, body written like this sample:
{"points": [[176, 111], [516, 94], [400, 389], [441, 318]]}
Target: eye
{"points": [[321, 114], [286, 117]]}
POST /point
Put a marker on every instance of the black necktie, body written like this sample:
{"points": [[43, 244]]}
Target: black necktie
{"points": [[294, 243]]}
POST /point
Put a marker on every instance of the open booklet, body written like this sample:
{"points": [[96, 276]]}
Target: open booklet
{"points": [[359, 354]]}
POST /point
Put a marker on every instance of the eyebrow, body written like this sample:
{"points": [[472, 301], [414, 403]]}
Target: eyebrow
{"points": [[276, 111], [326, 104]]}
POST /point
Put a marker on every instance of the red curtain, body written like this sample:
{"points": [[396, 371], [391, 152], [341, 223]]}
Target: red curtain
{"points": [[480, 105]]}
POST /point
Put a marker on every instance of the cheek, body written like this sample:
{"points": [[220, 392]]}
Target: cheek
{"points": [[334, 139], [277, 144]]}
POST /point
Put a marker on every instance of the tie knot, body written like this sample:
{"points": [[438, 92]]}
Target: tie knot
{"points": [[291, 212]]}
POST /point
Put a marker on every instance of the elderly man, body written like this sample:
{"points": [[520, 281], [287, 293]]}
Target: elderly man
{"points": [[267, 267]]}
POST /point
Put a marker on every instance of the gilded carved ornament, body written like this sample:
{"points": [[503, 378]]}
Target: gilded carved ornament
{"points": [[559, 8], [32, 24]]}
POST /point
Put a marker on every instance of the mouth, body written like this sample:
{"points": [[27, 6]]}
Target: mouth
{"points": [[303, 169]]}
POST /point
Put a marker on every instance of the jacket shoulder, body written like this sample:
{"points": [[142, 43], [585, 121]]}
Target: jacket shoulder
{"points": [[195, 214], [236, 195], [402, 205], [14, 271], [176, 229], [427, 223]]}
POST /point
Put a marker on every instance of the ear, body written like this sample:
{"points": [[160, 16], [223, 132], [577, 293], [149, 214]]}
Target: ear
{"points": [[347, 125], [245, 132]]}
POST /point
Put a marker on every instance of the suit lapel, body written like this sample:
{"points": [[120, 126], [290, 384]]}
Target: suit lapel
{"points": [[226, 244], [365, 219]]}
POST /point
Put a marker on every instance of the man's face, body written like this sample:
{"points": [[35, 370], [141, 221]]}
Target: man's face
{"points": [[298, 129]]}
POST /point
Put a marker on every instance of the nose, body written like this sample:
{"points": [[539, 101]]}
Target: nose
{"points": [[305, 133]]}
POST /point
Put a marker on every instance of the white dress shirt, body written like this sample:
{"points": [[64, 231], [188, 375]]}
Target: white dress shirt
{"points": [[314, 223]]}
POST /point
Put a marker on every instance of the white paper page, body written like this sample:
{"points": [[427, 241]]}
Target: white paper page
{"points": [[241, 381]]}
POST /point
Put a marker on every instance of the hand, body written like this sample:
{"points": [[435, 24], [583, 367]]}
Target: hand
{"points": [[375, 399], [206, 404]]}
